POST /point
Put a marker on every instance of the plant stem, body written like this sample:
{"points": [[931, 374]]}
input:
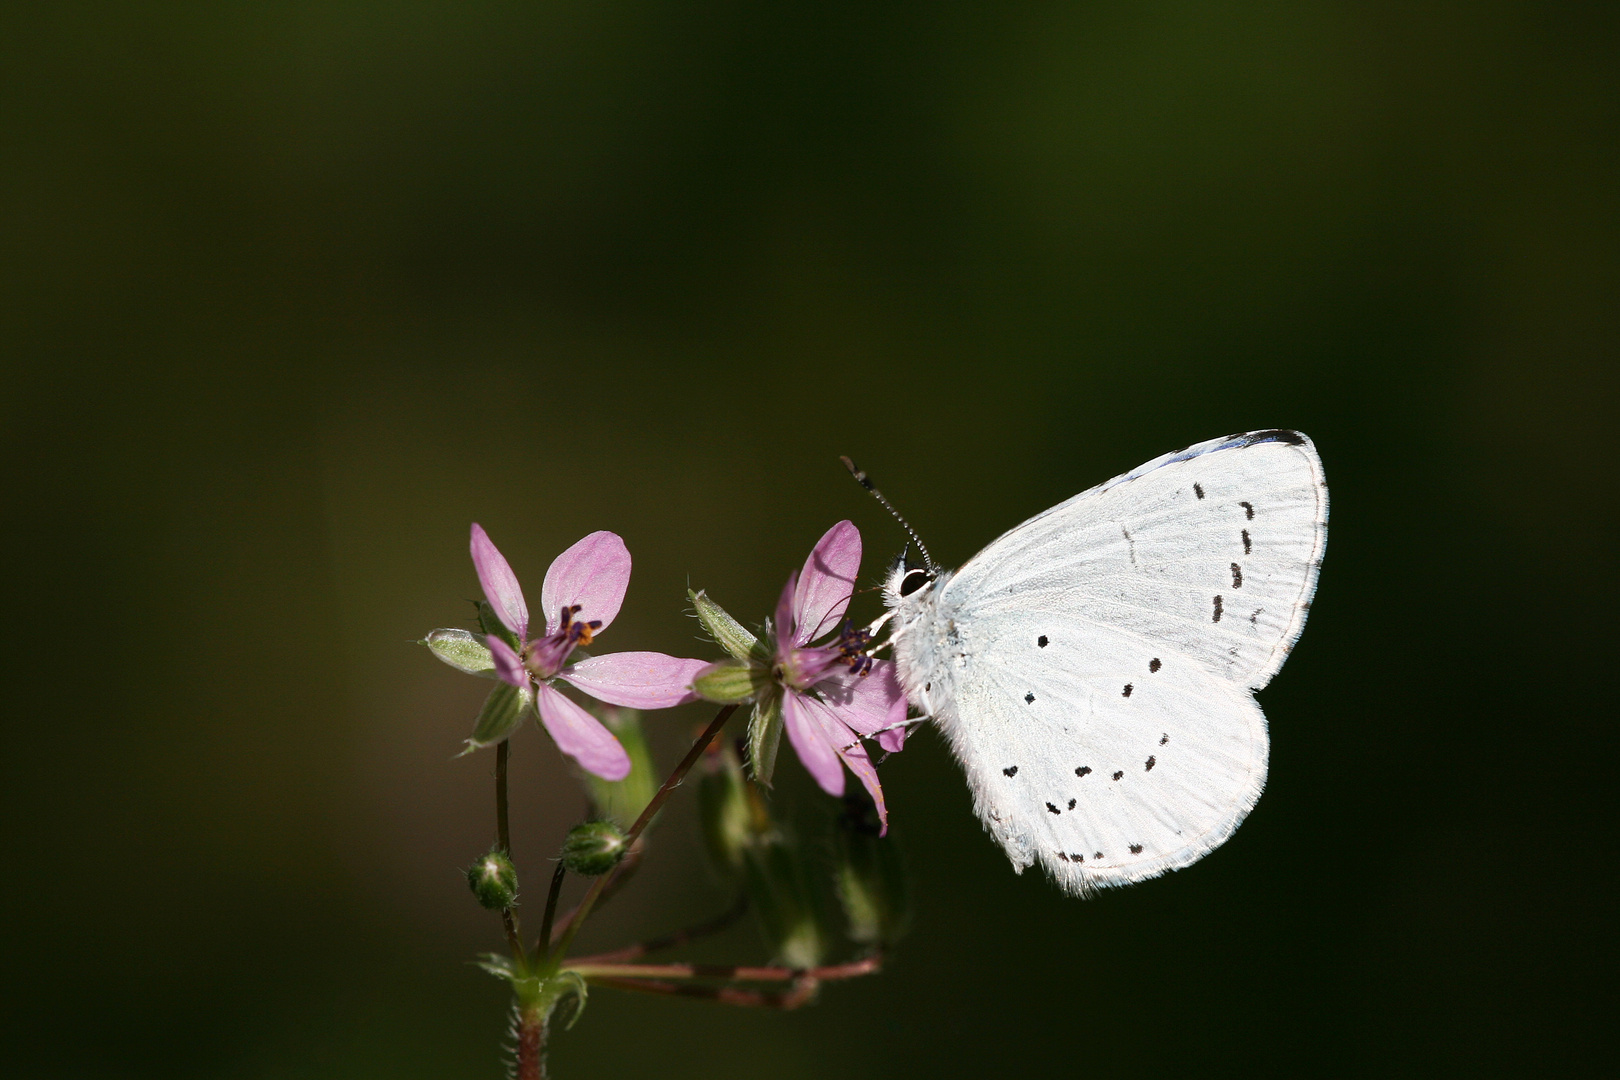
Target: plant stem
{"points": [[669, 941], [542, 947], [728, 972], [503, 829], [802, 991], [674, 781], [531, 1044]]}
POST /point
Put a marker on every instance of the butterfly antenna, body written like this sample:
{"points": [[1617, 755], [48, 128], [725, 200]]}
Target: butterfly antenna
{"points": [[866, 482]]}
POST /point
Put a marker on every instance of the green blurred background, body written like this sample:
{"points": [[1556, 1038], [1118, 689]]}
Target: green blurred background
{"points": [[292, 292]]}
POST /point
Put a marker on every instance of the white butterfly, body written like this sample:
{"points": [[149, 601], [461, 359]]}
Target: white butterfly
{"points": [[1093, 669]]}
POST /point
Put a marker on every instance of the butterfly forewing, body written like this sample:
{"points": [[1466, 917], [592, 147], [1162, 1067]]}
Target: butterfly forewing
{"points": [[1092, 668]]}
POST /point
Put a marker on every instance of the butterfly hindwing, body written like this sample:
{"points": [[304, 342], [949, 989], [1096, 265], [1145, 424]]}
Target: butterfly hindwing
{"points": [[1093, 668]]}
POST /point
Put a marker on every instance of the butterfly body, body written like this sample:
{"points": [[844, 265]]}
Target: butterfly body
{"points": [[1093, 669]]}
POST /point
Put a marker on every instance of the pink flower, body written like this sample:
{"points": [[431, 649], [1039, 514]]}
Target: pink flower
{"points": [[833, 693], [581, 595]]}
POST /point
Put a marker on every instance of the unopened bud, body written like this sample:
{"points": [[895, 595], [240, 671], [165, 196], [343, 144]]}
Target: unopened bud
{"points": [[594, 848], [764, 738], [462, 650], [494, 880], [501, 715]]}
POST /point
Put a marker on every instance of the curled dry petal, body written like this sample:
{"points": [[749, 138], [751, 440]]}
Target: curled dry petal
{"points": [[580, 735], [592, 574], [636, 680], [826, 583], [508, 665], [807, 734], [500, 585]]}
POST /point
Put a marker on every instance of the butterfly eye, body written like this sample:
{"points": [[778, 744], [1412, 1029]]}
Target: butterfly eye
{"points": [[914, 580]]}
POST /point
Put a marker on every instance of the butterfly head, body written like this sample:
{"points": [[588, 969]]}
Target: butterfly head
{"points": [[906, 578]]}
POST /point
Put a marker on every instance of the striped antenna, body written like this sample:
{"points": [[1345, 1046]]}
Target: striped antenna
{"points": [[866, 482]]}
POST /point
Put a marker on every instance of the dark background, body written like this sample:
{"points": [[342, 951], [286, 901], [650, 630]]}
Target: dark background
{"points": [[293, 292]]}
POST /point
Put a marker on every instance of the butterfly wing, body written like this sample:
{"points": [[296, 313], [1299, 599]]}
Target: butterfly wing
{"points": [[1111, 644]]}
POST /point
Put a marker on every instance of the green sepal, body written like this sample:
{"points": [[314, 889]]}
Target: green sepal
{"points": [[491, 623], [727, 632], [564, 995], [764, 738], [623, 800], [503, 711], [502, 967], [462, 650], [731, 681]]}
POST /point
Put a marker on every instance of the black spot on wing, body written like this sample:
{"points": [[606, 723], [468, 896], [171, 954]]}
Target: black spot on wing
{"points": [[1054, 809], [1119, 774], [1151, 761], [1248, 508], [1154, 665], [1247, 547], [1071, 804], [1078, 858], [1029, 699], [1217, 617], [1127, 690], [1136, 849], [1082, 770], [1041, 641], [1011, 770], [1198, 490], [1096, 855], [1237, 576], [1164, 738]]}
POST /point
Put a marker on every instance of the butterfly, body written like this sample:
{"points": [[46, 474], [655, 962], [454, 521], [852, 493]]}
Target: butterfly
{"points": [[1093, 670]]}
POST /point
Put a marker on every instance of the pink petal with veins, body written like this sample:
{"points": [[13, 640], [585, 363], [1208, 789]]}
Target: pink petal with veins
{"points": [[810, 741], [593, 574], [852, 753], [783, 625], [868, 703], [827, 582], [636, 680], [508, 665], [580, 735], [500, 585]]}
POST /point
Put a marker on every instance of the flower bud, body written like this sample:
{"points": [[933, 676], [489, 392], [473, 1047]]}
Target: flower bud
{"points": [[594, 848], [503, 711], [789, 908], [494, 880], [727, 632], [871, 877], [730, 682], [462, 650]]}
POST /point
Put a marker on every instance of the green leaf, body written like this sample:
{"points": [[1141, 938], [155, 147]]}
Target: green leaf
{"points": [[503, 711], [502, 967], [462, 650], [764, 737]]}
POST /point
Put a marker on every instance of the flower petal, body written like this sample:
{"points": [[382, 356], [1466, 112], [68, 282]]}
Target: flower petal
{"points": [[508, 665], [783, 624], [500, 585], [811, 743], [850, 752], [827, 582], [580, 735], [636, 680], [593, 574], [868, 703]]}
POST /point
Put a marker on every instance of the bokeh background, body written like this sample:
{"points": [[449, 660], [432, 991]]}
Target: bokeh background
{"points": [[293, 292]]}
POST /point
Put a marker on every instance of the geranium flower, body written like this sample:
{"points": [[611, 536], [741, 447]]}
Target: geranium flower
{"points": [[582, 593], [834, 693]]}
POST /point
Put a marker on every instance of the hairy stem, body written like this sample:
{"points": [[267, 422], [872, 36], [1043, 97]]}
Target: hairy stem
{"points": [[658, 800], [727, 972], [531, 1044]]}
